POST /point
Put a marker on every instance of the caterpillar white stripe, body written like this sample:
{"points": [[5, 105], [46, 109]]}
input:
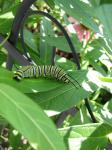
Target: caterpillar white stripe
{"points": [[43, 71]]}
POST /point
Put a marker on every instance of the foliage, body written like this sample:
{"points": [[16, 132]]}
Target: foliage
{"points": [[30, 108]]}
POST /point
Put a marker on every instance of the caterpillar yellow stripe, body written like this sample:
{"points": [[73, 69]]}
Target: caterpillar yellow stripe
{"points": [[43, 71]]}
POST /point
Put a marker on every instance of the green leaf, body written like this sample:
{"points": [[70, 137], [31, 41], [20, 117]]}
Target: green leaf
{"points": [[3, 122], [2, 58], [102, 114], [32, 45], [99, 44], [104, 13], [6, 18], [106, 79], [95, 3], [30, 40], [46, 51], [58, 42], [94, 56], [81, 117], [28, 85], [6, 5], [86, 137], [80, 11], [29, 119], [50, 3], [65, 63], [94, 77], [62, 44], [62, 98], [105, 1], [108, 105]]}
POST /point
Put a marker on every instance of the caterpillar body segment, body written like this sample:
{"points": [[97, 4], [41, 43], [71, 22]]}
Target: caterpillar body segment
{"points": [[43, 71]]}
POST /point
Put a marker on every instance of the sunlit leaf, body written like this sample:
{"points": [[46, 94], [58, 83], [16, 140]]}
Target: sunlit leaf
{"points": [[80, 11], [102, 113], [104, 14], [29, 119], [28, 85], [86, 137], [46, 50], [6, 18]]}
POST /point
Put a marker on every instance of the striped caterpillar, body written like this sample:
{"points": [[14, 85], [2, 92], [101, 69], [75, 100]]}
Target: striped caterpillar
{"points": [[43, 71]]}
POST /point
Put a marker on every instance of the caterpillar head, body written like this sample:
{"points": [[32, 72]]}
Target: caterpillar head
{"points": [[18, 75]]}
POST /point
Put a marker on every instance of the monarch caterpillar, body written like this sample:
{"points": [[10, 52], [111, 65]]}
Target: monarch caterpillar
{"points": [[43, 71]]}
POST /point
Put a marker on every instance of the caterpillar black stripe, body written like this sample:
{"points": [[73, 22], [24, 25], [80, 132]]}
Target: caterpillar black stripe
{"points": [[43, 71]]}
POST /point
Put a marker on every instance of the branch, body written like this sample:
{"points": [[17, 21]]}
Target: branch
{"points": [[13, 52]]}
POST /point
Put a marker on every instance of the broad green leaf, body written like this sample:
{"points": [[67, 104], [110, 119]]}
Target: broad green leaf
{"points": [[62, 44], [59, 42], [28, 85], [29, 119], [80, 11], [100, 44], [94, 56], [46, 51], [50, 3], [81, 117], [108, 105], [6, 19], [30, 40], [59, 99], [65, 63], [105, 60], [86, 137], [32, 45], [94, 77], [103, 13], [105, 1], [100, 51], [62, 98], [95, 3], [6, 4], [102, 114]]}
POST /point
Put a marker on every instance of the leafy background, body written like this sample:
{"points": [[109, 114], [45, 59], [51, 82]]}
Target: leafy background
{"points": [[30, 108]]}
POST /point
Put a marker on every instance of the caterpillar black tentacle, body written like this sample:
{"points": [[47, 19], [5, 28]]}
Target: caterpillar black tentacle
{"points": [[43, 71]]}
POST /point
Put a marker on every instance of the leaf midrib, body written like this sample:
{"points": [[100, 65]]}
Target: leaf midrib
{"points": [[27, 115], [58, 94]]}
